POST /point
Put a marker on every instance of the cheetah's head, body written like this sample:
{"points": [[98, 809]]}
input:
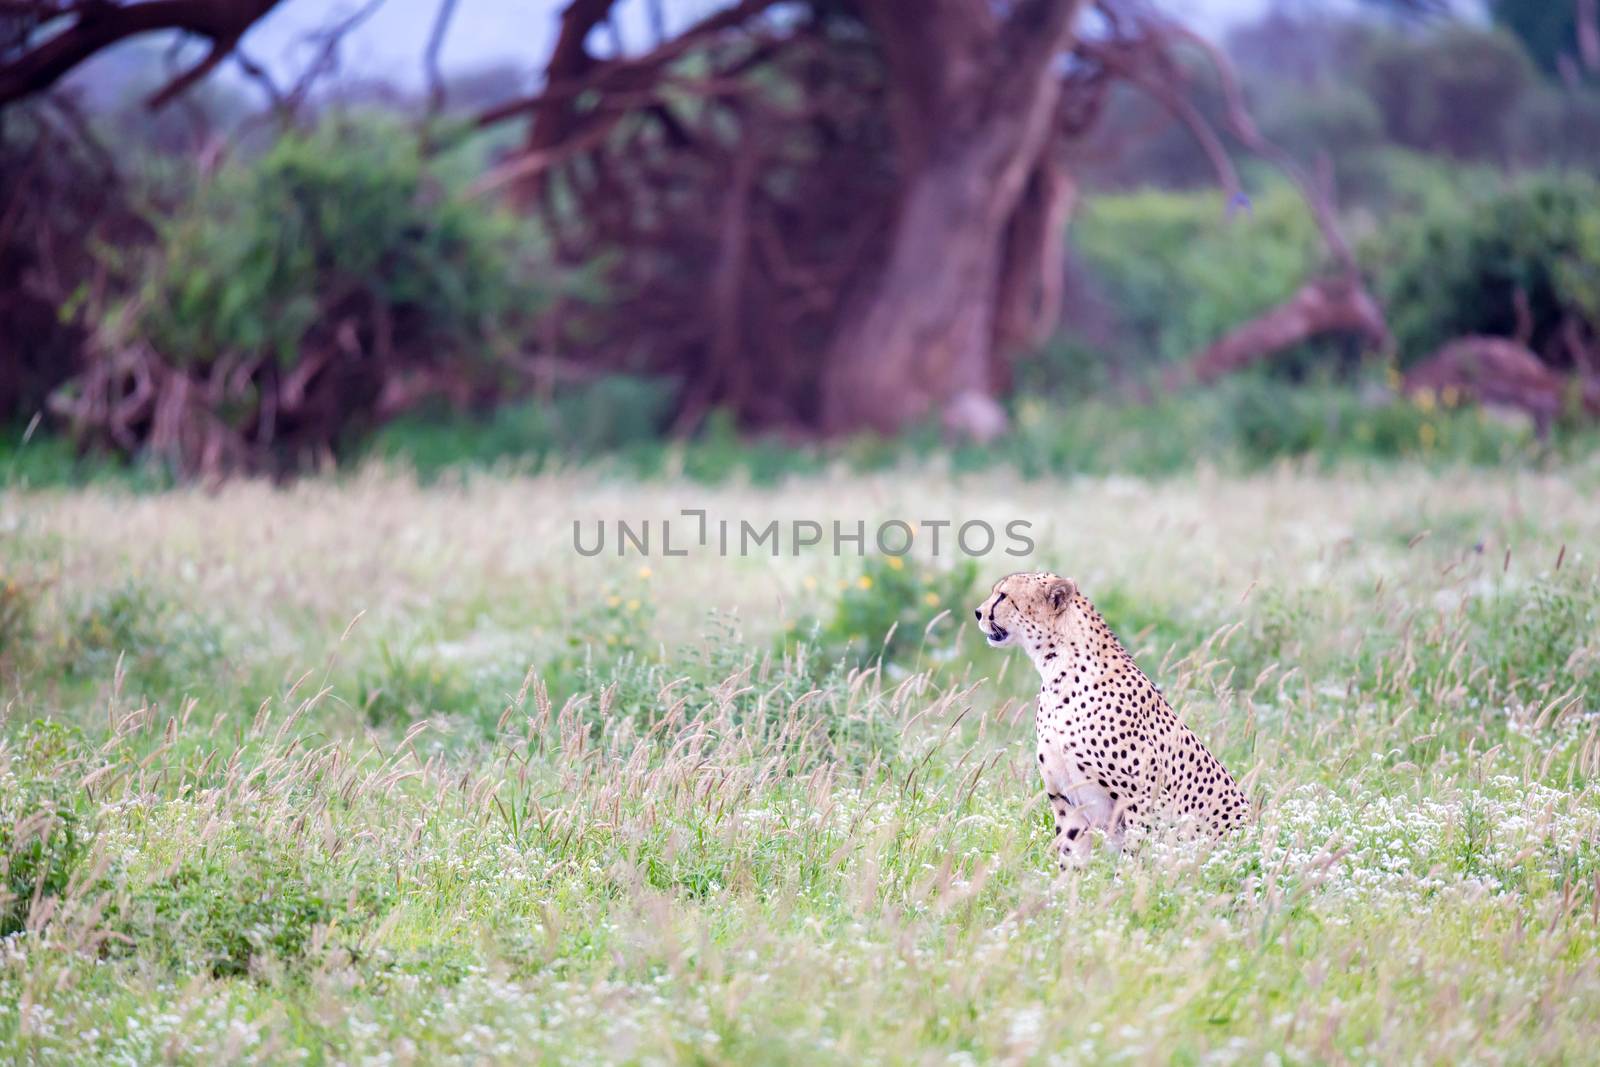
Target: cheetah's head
{"points": [[1024, 608]]}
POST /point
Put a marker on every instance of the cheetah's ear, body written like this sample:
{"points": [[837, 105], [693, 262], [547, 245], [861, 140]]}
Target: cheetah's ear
{"points": [[1060, 594]]}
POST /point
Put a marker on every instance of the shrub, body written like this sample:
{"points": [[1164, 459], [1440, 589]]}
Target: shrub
{"points": [[1178, 272], [1395, 183], [888, 610], [1539, 642], [613, 413], [43, 835], [1337, 120], [1459, 268], [324, 224], [307, 293], [406, 685], [1245, 422], [157, 642], [17, 603], [1453, 90], [1548, 29], [1559, 128], [242, 897]]}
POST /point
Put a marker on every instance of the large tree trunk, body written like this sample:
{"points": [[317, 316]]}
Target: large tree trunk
{"points": [[974, 102]]}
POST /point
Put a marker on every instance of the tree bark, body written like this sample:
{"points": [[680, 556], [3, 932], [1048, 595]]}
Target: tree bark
{"points": [[1033, 268], [973, 100]]}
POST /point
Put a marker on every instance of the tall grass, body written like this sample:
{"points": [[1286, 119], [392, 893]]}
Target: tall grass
{"points": [[368, 772]]}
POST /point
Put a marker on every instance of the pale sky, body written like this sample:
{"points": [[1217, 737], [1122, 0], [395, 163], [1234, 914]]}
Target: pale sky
{"points": [[390, 43]]}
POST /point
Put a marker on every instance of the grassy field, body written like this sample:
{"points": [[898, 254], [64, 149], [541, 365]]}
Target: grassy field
{"points": [[358, 771]]}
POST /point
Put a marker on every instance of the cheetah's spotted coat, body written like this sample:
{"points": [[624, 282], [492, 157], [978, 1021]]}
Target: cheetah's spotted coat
{"points": [[1111, 750]]}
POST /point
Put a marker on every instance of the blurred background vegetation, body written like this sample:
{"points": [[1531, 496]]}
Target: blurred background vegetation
{"points": [[267, 275]]}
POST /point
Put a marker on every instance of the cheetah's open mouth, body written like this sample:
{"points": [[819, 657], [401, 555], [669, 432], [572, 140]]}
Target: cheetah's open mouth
{"points": [[997, 634]]}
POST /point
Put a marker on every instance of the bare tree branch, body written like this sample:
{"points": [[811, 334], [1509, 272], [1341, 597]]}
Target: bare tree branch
{"points": [[97, 26], [430, 58]]}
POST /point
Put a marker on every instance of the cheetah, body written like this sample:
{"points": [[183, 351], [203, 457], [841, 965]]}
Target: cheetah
{"points": [[1111, 750]]}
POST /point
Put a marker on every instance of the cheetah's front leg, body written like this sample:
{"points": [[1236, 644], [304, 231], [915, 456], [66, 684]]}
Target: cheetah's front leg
{"points": [[1072, 841]]}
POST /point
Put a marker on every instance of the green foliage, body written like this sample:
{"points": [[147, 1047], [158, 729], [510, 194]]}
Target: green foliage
{"points": [[43, 833], [1065, 422], [244, 896], [18, 602], [1459, 267], [1244, 423], [812, 851], [343, 225], [1179, 272], [156, 642], [1453, 90], [601, 631], [1537, 641], [1394, 183], [899, 608], [612, 414], [405, 686], [43, 459], [720, 452], [1559, 128], [1548, 29], [1339, 119]]}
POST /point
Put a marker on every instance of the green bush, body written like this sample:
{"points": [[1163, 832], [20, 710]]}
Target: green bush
{"points": [[43, 832], [1337, 120], [1548, 29], [309, 292], [242, 897], [1458, 268], [1539, 642], [1559, 128], [405, 686], [1394, 183], [18, 602], [613, 413], [41, 843], [347, 220], [1179, 272], [1243, 423], [888, 611], [156, 642], [1453, 90]]}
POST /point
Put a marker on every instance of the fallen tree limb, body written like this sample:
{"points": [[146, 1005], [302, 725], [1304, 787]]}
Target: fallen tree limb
{"points": [[1498, 371], [1326, 305]]}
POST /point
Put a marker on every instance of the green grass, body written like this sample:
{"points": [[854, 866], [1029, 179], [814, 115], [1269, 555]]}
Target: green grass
{"points": [[1065, 424], [362, 770]]}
